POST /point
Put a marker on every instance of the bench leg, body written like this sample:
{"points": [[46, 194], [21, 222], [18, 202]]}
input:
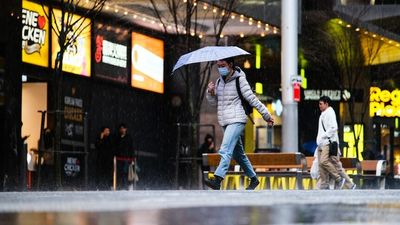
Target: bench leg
{"points": [[299, 179]]}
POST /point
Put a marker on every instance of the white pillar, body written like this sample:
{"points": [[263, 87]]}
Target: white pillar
{"points": [[289, 69]]}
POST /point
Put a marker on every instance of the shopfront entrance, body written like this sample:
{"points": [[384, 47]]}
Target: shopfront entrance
{"points": [[387, 139], [34, 99]]}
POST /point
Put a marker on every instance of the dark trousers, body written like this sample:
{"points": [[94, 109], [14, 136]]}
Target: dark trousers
{"points": [[122, 175]]}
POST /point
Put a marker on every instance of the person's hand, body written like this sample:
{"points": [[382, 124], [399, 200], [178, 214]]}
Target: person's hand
{"points": [[270, 121], [211, 88], [211, 145]]}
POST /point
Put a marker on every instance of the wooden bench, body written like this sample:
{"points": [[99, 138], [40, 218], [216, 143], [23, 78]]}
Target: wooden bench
{"points": [[268, 165], [373, 174]]}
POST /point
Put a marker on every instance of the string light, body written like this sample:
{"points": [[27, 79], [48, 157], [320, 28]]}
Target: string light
{"points": [[221, 35], [250, 21], [348, 25], [205, 6]]}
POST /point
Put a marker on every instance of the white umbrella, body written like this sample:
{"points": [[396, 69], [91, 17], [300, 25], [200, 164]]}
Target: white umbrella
{"points": [[209, 53]]}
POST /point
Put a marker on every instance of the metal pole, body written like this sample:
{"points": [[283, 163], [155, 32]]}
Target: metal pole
{"points": [[41, 148], [176, 179], [288, 70], [86, 143]]}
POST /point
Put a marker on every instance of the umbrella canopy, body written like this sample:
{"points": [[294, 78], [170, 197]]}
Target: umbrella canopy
{"points": [[209, 53]]}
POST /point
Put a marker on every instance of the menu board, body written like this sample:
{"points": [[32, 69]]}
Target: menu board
{"points": [[77, 55], [35, 30], [111, 53], [147, 63]]}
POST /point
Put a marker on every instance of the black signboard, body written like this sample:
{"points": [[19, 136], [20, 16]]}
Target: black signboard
{"points": [[73, 151], [111, 53]]}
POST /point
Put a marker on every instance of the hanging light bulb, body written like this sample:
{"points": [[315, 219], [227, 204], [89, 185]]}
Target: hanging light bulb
{"points": [[250, 21], [241, 35], [233, 16]]}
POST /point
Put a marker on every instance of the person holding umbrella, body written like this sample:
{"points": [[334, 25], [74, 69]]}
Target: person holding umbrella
{"points": [[232, 117]]}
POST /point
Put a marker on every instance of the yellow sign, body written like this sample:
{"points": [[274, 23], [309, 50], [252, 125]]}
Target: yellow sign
{"points": [[147, 63], [384, 103], [348, 136], [35, 39], [77, 56]]}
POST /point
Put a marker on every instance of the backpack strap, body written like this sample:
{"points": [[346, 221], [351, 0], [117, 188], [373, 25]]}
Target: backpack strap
{"points": [[241, 97]]}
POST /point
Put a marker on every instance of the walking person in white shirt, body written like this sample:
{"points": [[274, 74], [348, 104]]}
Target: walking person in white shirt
{"points": [[327, 132]]}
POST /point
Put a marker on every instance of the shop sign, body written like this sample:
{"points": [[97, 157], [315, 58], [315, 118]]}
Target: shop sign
{"points": [[314, 95], [72, 167], [77, 56], [384, 103], [147, 63], [35, 41], [73, 117], [111, 53]]}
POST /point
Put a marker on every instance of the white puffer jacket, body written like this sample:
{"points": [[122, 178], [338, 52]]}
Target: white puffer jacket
{"points": [[229, 106]]}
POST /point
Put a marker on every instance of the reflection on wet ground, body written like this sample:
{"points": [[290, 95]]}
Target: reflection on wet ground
{"points": [[201, 207], [238, 215]]}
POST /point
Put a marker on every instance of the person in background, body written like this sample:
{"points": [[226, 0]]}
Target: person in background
{"points": [[104, 159], [207, 146], [232, 117], [327, 132], [124, 153]]}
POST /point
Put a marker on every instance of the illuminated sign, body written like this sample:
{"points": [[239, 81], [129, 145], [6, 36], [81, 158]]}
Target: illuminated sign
{"points": [[35, 41], [348, 137], [77, 56], [147, 63], [384, 103], [111, 53], [334, 95]]}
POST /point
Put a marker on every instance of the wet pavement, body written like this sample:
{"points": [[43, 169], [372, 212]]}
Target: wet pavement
{"points": [[201, 207]]}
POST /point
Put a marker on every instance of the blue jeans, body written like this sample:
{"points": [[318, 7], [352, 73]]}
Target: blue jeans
{"points": [[232, 147]]}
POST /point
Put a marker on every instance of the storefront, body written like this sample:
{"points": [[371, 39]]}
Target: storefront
{"points": [[384, 110], [111, 74]]}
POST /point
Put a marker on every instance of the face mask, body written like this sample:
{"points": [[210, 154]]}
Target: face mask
{"points": [[223, 71]]}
